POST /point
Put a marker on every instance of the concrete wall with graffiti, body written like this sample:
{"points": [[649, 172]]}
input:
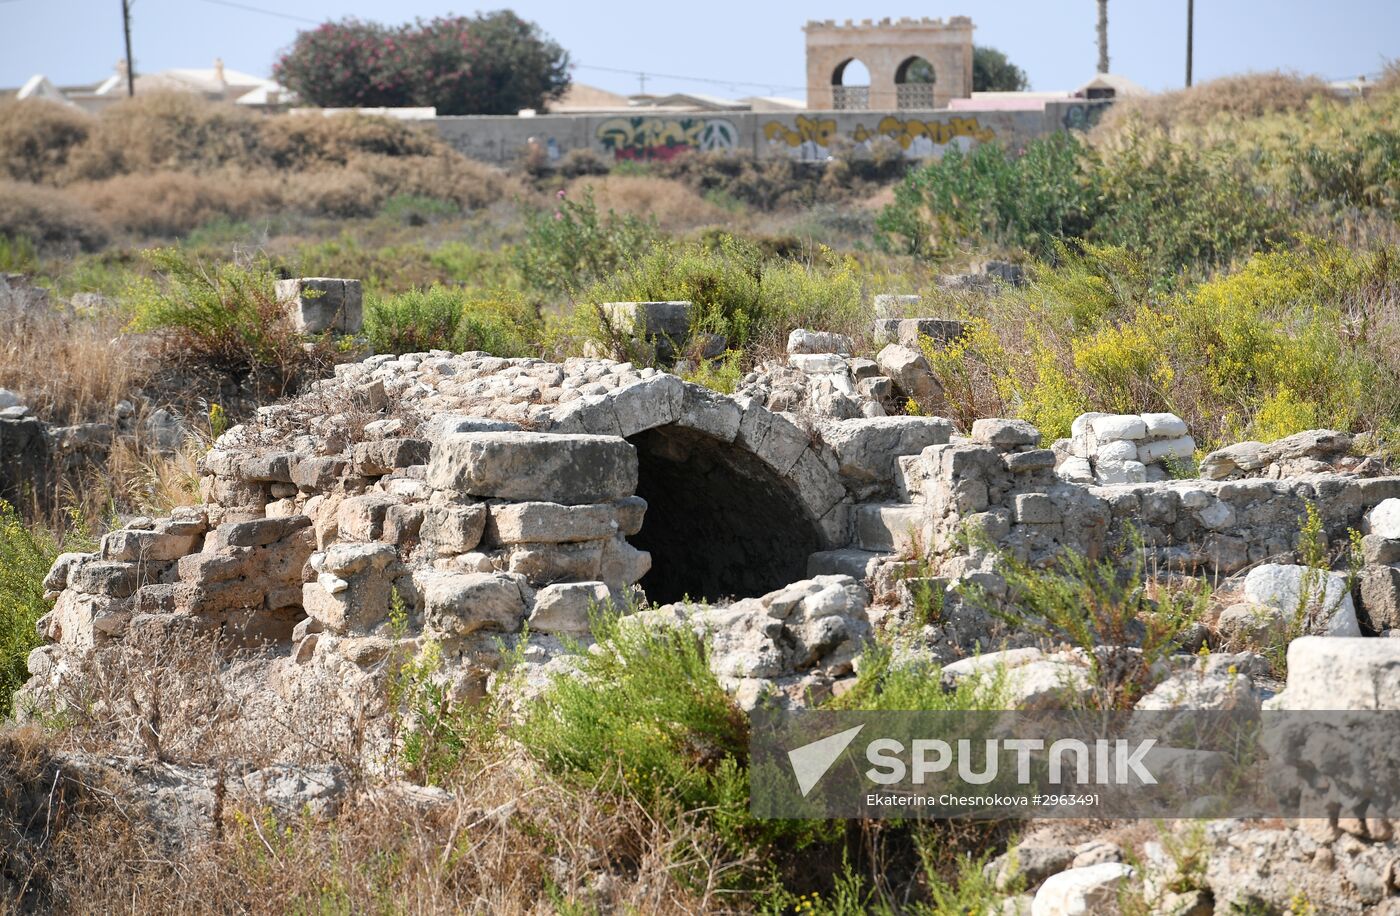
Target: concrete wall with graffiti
{"points": [[809, 136]]}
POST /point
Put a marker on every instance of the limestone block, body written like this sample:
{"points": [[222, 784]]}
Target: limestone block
{"points": [[1116, 452], [320, 304], [361, 518], [318, 474], [254, 533], [803, 341], [1182, 447], [1321, 595], [1082, 424], [817, 484], [1384, 520], [648, 403], [542, 564], [130, 546], [1376, 550], [867, 449], [1005, 433], [1329, 673], [352, 590], [630, 513], [777, 441], [373, 459], [1118, 426], [1082, 891], [532, 522], [818, 363], [84, 621], [650, 319], [1035, 509], [1164, 425], [713, 414], [1121, 472], [570, 469], [622, 565], [459, 604], [215, 566], [1032, 679], [893, 527], [1037, 459], [564, 608], [910, 372], [453, 528], [844, 561], [97, 577], [1379, 590], [1076, 470]]}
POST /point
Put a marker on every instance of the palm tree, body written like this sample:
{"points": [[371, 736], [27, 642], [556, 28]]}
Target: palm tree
{"points": [[1103, 36]]}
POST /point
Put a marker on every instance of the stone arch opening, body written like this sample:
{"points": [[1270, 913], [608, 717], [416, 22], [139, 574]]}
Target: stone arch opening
{"points": [[914, 80], [720, 522], [850, 85]]}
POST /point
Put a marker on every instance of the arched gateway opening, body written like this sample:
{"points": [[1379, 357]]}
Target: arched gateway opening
{"points": [[720, 522]]}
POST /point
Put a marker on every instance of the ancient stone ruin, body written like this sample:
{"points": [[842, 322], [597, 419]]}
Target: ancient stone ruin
{"points": [[491, 506]]}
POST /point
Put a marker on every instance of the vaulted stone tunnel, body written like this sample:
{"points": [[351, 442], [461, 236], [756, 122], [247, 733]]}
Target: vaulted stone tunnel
{"points": [[720, 523]]}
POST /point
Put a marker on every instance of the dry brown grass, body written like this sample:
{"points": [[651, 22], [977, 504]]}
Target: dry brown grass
{"points": [[71, 369], [161, 165], [674, 206], [508, 839], [169, 204], [48, 216], [1249, 95], [37, 137]]}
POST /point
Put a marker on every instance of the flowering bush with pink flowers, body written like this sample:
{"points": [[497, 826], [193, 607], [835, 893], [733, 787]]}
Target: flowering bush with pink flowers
{"points": [[491, 63]]}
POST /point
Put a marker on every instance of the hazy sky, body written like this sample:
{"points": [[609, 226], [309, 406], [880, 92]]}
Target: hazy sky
{"points": [[756, 44]]}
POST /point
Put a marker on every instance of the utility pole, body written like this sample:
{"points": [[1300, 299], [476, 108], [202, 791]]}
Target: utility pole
{"points": [[1103, 36], [642, 78], [130, 64], [1190, 27]]}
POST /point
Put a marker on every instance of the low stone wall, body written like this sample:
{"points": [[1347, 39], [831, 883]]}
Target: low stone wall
{"points": [[807, 136]]}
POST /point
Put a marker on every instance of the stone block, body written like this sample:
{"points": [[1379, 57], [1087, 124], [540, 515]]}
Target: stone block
{"points": [[374, 459], [1005, 433], [844, 561], [867, 449], [112, 580], [320, 304], [909, 371], [1109, 427], [1037, 459], [1035, 509], [564, 608], [1082, 891], [1322, 595], [453, 529], [803, 341], [85, 621], [631, 513], [1179, 448], [542, 564], [650, 319], [570, 469], [255, 533], [1327, 673], [535, 522], [894, 527], [1384, 520], [130, 546], [817, 363], [318, 474], [622, 565], [361, 518], [1164, 425], [1379, 590], [458, 604], [714, 415], [1379, 551], [1114, 473]]}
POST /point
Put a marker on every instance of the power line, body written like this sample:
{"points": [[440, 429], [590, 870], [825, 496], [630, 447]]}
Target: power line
{"points": [[258, 9]]}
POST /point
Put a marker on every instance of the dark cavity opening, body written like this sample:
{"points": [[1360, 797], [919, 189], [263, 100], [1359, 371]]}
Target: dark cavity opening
{"points": [[719, 522]]}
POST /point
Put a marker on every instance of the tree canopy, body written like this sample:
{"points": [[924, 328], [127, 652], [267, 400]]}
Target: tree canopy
{"points": [[491, 63], [992, 72]]}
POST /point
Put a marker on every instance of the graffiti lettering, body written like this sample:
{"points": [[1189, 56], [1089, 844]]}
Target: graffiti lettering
{"points": [[665, 138], [812, 138]]}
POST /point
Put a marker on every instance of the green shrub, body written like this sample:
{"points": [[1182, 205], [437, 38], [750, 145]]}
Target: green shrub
{"points": [[566, 249], [1030, 200], [225, 315], [682, 747], [446, 318], [26, 554]]}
